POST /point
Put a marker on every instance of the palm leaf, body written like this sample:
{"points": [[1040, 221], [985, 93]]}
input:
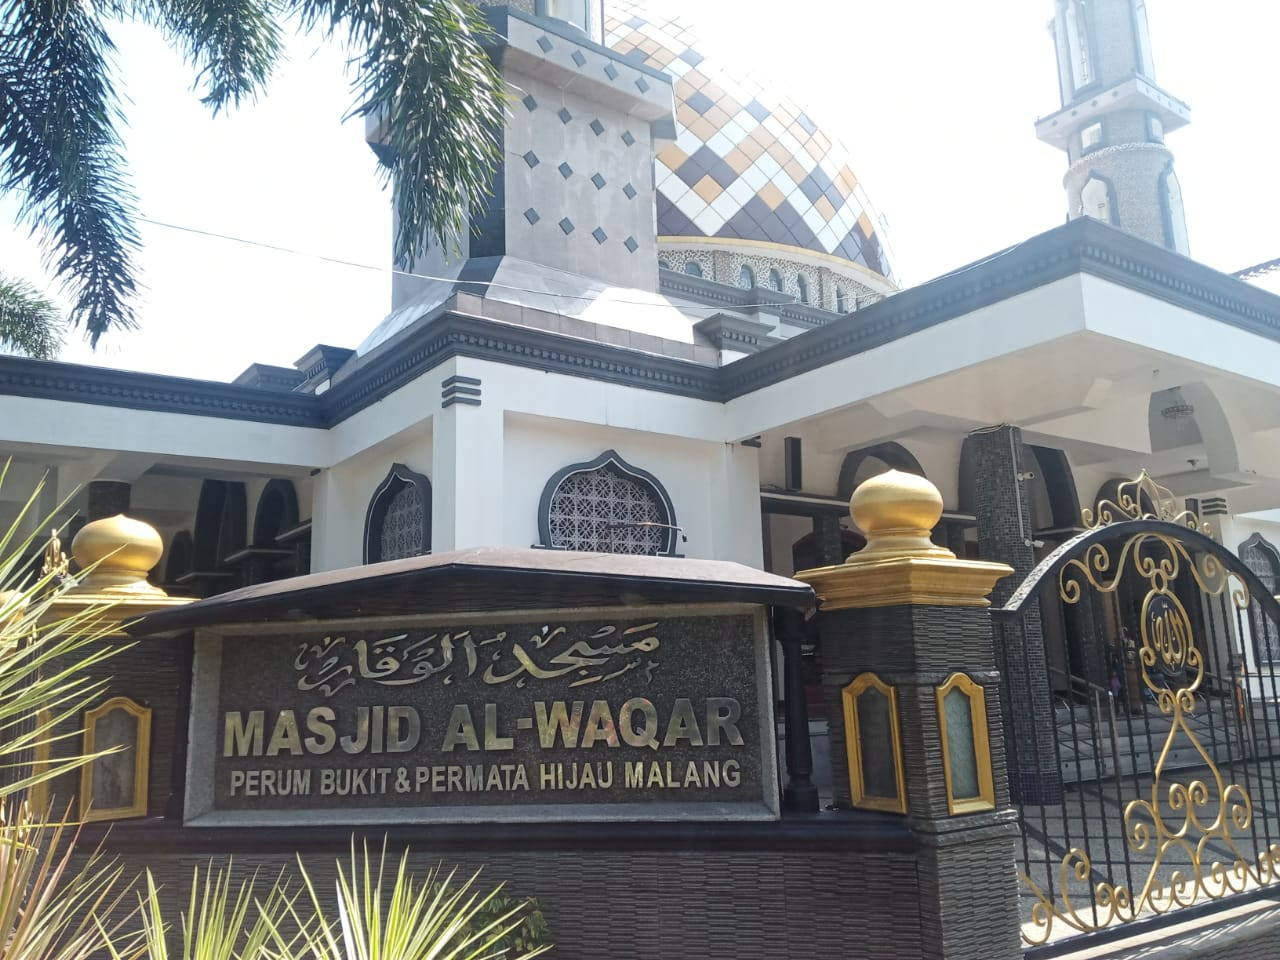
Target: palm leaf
{"points": [[29, 323]]}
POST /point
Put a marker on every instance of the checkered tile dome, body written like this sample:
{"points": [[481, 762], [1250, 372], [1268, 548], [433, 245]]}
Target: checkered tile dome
{"points": [[746, 164]]}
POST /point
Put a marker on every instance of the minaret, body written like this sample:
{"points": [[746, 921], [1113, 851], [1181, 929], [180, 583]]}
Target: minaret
{"points": [[570, 208], [1113, 121]]}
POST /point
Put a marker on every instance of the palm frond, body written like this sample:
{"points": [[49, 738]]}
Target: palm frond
{"points": [[55, 905], [422, 68], [233, 44], [29, 322], [59, 149]]}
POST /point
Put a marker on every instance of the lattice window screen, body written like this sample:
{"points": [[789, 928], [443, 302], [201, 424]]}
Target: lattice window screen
{"points": [[1262, 563], [604, 511], [401, 534]]}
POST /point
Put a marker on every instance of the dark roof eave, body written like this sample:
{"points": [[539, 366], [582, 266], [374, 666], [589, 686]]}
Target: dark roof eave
{"points": [[520, 579]]}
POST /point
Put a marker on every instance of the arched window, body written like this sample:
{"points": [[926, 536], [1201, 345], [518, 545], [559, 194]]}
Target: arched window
{"points": [[842, 300], [398, 521], [1095, 200], [1079, 38], [607, 506], [746, 277], [693, 268], [1263, 561], [273, 555], [775, 280], [664, 264], [802, 286]]}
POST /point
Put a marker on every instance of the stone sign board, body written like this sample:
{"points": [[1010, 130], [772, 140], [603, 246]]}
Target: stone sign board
{"points": [[608, 713]]}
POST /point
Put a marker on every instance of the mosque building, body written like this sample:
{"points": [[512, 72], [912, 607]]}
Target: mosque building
{"points": [[674, 329]]}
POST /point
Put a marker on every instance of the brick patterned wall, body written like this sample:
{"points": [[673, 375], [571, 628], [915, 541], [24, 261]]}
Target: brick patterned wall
{"points": [[667, 898]]}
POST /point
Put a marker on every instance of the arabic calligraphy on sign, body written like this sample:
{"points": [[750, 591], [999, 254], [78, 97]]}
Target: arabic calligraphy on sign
{"points": [[403, 659]]}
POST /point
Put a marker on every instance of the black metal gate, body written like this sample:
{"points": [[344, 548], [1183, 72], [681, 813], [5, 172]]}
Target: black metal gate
{"points": [[1143, 730]]}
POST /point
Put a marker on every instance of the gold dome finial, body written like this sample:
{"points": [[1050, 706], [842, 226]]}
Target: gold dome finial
{"points": [[118, 552], [897, 511]]}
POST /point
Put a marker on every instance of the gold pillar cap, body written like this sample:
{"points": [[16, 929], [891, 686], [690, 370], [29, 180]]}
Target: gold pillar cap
{"points": [[897, 511], [121, 552], [900, 563]]}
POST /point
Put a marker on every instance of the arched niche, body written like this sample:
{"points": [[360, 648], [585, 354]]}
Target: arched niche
{"points": [[397, 523], [180, 558], [277, 512], [222, 524], [854, 469], [607, 506]]}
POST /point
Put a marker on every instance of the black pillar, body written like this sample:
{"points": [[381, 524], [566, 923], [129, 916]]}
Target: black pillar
{"points": [[799, 794]]}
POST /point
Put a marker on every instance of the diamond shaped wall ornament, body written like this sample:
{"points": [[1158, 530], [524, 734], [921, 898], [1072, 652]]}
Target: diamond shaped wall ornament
{"points": [[642, 85], [598, 180], [578, 58], [600, 235], [630, 191], [532, 215], [564, 115], [630, 244], [530, 104], [567, 226], [566, 171], [597, 127], [611, 71], [531, 159], [627, 138], [544, 43]]}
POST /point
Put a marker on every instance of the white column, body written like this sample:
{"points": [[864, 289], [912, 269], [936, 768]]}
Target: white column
{"points": [[467, 475], [735, 505]]}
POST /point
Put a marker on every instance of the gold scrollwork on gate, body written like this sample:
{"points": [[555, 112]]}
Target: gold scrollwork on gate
{"points": [[1192, 830]]}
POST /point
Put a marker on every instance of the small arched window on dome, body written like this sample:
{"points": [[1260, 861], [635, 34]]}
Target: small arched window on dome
{"points": [[664, 264], [802, 287], [746, 277], [775, 280], [842, 300], [693, 268]]}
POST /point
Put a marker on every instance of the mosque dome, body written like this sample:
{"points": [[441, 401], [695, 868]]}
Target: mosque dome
{"points": [[748, 169]]}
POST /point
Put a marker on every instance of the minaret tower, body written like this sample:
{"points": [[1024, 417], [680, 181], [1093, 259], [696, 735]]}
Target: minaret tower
{"points": [[1113, 121]]}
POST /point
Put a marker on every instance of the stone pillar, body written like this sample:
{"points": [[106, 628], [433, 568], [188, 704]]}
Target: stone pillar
{"points": [[826, 536], [1006, 535], [915, 617], [108, 498]]}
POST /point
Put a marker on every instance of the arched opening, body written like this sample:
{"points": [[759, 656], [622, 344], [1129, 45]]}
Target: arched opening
{"points": [[775, 280], [693, 268], [179, 560], [802, 287], [397, 523], [842, 300], [746, 277], [276, 552], [607, 506], [862, 465], [1097, 200]]}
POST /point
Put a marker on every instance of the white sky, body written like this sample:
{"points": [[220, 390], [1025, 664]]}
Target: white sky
{"points": [[935, 100]]}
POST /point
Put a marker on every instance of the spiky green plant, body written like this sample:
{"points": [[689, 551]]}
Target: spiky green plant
{"points": [[53, 904], [401, 917], [44, 656]]}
